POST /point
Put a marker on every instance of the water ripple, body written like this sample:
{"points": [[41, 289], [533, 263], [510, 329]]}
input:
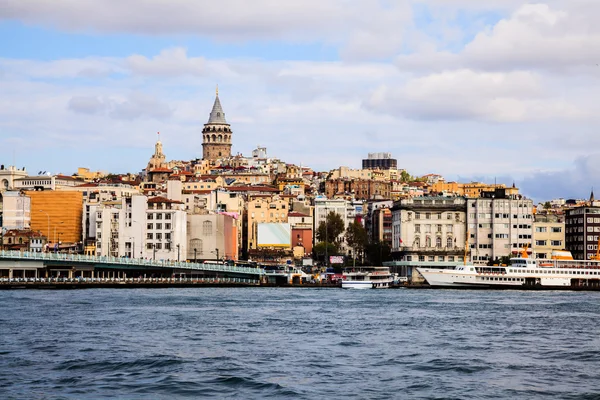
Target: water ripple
{"points": [[301, 344]]}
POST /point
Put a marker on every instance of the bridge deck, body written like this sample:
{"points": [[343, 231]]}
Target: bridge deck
{"points": [[125, 262]]}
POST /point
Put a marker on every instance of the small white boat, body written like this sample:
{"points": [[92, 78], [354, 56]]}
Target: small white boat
{"points": [[367, 278]]}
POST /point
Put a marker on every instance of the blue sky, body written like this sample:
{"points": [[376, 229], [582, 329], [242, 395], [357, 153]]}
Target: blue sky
{"points": [[500, 89]]}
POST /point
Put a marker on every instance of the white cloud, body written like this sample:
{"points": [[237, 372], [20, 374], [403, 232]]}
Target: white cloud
{"points": [[170, 62], [466, 94]]}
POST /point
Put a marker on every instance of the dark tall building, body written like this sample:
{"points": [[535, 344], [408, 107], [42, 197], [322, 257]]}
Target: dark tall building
{"points": [[582, 229], [380, 161]]}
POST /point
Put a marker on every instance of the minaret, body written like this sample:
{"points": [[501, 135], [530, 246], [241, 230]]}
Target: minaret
{"points": [[216, 135]]}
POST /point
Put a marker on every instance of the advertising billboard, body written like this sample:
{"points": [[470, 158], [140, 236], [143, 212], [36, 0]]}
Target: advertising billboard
{"points": [[274, 235], [336, 259]]}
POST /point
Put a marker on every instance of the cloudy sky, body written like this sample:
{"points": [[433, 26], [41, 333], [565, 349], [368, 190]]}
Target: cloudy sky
{"points": [[472, 90]]}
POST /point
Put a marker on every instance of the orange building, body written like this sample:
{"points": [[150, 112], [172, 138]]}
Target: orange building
{"points": [[57, 214]]}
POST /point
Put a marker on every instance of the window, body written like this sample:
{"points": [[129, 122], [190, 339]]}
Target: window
{"points": [[159, 216], [158, 246], [556, 242], [149, 235], [449, 216], [168, 246], [150, 226], [421, 258], [441, 258], [150, 216], [450, 258], [540, 242], [556, 229], [541, 229], [148, 246], [431, 258], [158, 226], [159, 236], [207, 228], [438, 242], [168, 216], [439, 228], [427, 215], [168, 236], [417, 215], [167, 226], [417, 228], [427, 241], [449, 243]]}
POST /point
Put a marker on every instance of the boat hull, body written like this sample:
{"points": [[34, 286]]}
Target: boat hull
{"points": [[365, 285]]}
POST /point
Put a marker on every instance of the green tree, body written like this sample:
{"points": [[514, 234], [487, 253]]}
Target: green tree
{"points": [[319, 250], [405, 177], [378, 252], [547, 205], [356, 238], [330, 229]]}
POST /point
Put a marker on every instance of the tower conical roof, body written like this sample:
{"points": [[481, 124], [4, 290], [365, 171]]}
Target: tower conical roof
{"points": [[217, 116]]}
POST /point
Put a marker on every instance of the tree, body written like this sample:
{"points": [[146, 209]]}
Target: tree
{"points": [[547, 205], [330, 229], [356, 237], [378, 252], [405, 177], [319, 250]]}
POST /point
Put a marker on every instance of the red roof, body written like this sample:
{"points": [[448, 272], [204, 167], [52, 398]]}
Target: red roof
{"points": [[161, 199], [88, 185], [297, 214], [161, 170]]}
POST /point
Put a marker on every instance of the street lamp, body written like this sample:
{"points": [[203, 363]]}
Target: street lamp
{"points": [[217, 251], [177, 252], [195, 259], [153, 251]]}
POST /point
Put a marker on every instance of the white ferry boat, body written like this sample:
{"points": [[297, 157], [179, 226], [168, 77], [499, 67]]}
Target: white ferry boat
{"points": [[559, 272], [367, 278]]}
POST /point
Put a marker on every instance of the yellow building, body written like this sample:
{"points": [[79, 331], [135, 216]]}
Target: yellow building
{"points": [[87, 175], [57, 214], [471, 190], [548, 234], [264, 209]]}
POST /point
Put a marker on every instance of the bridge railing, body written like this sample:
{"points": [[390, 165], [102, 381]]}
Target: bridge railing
{"points": [[18, 255]]}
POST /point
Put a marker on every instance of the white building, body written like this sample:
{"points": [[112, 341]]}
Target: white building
{"points": [[15, 210], [8, 176], [140, 227], [498, 226], [429, 229]]}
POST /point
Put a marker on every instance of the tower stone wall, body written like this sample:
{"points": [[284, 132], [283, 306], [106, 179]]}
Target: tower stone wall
{"points": [[216, 134]]}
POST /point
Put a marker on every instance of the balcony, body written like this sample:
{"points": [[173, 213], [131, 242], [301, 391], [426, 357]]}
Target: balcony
{"points": [[452, 251]]}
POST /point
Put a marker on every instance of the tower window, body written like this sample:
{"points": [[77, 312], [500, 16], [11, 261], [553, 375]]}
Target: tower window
{"points": [[218, 114]]}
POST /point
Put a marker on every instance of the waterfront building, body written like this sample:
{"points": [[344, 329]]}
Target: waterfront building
{"points": [[582, 230], [15, 211], [548, 234], [302, 233], [216, 135], [211, 237], [429, 229], [499, 225], [8, 175], [376, 222], [23, 240], [58, 214], [263, 209]]}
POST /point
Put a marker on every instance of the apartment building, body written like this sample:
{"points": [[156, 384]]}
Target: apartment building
{"points": [[548, 234], [429, 229], [582, 230], [498, 225]]}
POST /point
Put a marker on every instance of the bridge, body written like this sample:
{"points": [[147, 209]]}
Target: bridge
{"points": [[17, 264]]}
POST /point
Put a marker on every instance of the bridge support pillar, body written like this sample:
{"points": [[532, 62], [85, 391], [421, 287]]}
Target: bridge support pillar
{"points": [[10, 273]]}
